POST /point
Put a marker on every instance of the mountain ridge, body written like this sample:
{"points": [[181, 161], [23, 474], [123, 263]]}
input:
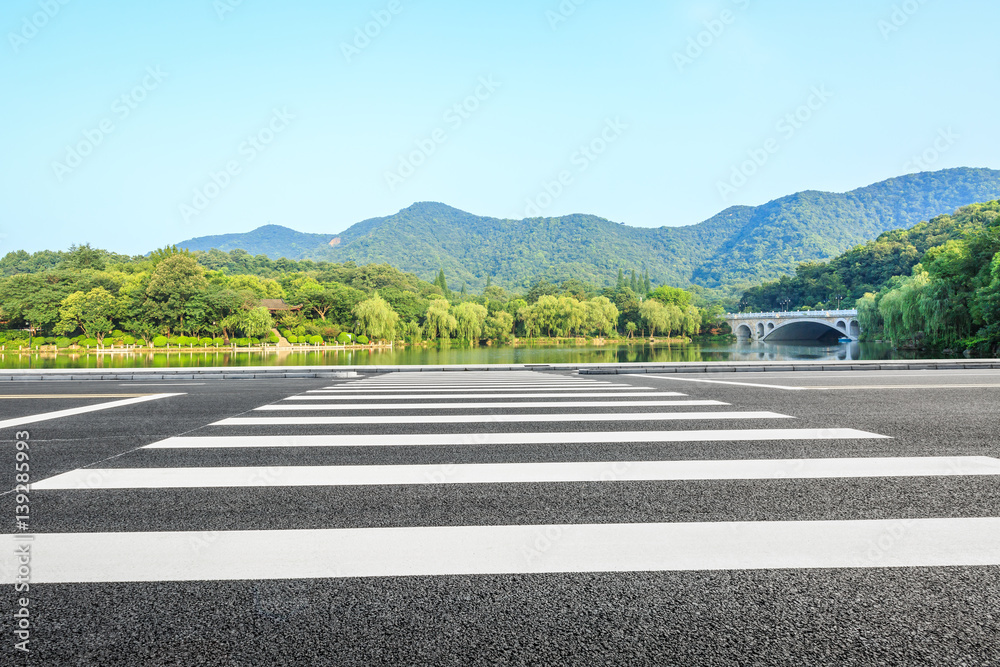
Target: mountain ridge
{"points": [[738, 246]]}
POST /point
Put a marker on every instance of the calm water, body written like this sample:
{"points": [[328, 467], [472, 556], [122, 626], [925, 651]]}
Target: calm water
{"points": [[456, 354]]}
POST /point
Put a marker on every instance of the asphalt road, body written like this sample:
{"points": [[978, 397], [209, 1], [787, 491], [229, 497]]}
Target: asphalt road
{"points": [[200, 544]]}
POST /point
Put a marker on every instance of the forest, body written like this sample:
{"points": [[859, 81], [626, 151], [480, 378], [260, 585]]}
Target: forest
{"points": [[934, 285], [92, 298]]}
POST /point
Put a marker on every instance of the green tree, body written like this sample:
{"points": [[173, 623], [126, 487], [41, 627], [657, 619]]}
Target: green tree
{"points": [[376, 319], [471, 319], [91, 312], [439, 322], [175, 281]]}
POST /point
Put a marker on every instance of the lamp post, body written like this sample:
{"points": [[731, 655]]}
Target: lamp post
{"points": [[786, 304], [839, 298]]}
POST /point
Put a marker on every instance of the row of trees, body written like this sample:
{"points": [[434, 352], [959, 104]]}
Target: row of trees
{"points": [[171, 293], [951, 298], [934, 285]]}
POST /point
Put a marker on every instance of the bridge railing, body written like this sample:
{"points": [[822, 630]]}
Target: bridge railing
{"points": [[792, 314]]}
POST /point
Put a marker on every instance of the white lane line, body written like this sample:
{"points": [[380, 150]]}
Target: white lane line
{"points": [[741, 384], [333, 391], [58, 414], [162, 384], [478, 419], [517, 473], [484, 439], [464, 385], [429, 397], [478, 550], [490, 406]]}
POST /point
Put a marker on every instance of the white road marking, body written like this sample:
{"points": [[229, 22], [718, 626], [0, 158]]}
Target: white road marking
{"points": [[483, 439], [517, 473], [465, 386], [490, 406], [741, 384], [58, 414], [478, 419], [477, 550], [422, 397], [334, 391]]}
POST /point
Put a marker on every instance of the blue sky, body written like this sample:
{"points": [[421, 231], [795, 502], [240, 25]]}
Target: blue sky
{"points": [[131, 125]]}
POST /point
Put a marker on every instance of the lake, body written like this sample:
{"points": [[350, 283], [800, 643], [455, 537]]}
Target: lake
{"points": [[454, 353]]}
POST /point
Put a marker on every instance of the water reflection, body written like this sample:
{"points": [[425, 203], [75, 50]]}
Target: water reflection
{"points": [[454, 353]]}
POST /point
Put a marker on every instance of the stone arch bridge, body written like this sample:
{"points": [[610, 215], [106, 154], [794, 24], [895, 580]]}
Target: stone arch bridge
{"points": [[795, 325]]}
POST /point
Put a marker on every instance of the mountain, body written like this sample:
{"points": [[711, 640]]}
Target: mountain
{"points": [[740, 246], [272, 240]]}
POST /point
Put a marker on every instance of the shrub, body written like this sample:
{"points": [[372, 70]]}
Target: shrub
{"points": [[128, 340], [273, 339], [345, 338], [293, 338], [363, 339], [316, 340], [286, 333], [62, 343], [299, 330], [159, 341], [89, 343], [218, 342]]}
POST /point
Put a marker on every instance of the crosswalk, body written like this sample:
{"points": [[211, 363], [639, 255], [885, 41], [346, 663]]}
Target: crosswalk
{"points": [[536, 417]]}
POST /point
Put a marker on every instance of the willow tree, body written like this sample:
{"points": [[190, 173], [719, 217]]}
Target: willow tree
{"points": [[252, 322], [376, 319], [470, 318], [439, 322]]}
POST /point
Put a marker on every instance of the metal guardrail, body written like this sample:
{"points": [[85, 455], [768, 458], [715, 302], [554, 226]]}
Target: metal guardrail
{"points": [[792, 314]]}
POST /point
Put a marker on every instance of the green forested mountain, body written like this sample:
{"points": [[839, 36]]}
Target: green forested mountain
{"points": [[864, 268], [738, 247]]}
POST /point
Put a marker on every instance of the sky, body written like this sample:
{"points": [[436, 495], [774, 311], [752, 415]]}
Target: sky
{"points": [[134, 125]]}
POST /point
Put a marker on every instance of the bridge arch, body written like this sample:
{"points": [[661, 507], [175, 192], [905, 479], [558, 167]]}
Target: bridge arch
{"points": [[805, 329], [743, 331], [854, 329]]}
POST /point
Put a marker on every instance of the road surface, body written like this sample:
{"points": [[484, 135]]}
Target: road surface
{"points": [[525, 517]]}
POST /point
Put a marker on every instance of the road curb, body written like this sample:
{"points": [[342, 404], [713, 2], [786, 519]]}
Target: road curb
{"points": [[342, 372]]}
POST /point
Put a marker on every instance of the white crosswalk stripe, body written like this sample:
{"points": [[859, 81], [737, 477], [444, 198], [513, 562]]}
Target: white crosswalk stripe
{"points": [[488, 401]]}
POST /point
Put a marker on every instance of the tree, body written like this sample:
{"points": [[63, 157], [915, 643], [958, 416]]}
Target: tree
{"points": [[176, 280], [315, 297], [252, 322], [500, 326], [91, 312], [376, 319], [630, 327], [439, 322], [470, 318]]}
